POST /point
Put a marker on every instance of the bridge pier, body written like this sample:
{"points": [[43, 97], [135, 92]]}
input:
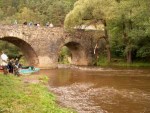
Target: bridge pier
{"points": [[79, 57], [46, 62]]}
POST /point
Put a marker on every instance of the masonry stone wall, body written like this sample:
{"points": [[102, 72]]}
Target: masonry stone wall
{"points": [[41, 45]]}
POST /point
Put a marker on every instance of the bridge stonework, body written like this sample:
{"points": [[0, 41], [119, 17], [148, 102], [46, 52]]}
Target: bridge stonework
{"points": [[41, 45]]}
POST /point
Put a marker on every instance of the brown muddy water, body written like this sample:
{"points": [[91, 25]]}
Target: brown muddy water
{"points": [[98, 90]]}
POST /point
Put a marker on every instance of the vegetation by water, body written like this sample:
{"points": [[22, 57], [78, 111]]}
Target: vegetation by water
{"points": [[102, 61], [64, 54], [19, 97], [11, 50]]}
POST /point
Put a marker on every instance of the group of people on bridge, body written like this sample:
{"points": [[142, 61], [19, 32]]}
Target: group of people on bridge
{"points": [[9, 65], [48, 24]]}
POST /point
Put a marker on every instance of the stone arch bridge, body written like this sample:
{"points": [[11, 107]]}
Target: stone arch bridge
{"points": [[41, 45]]}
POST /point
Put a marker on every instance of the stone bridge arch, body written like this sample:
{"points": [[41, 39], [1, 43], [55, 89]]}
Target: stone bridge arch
{"points": [[25, 47], [78, 52]]}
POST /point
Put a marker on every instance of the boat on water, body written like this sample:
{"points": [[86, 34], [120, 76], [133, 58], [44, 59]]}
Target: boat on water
{"points": [[28, 70]]}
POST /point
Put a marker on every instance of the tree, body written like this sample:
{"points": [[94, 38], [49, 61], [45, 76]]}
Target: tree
{"points": [[43, 11], [87, 12], [130, 21], [1, 14]]}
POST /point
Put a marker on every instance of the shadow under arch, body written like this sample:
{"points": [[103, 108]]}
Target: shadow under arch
{"points": [[26, 49], [78, 53]]}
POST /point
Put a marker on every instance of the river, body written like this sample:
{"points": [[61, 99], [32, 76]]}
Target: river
{"points": [[100, 90]]}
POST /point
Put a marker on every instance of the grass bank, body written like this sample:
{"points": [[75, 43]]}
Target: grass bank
{"points": [[19, 97], [121, 63]]}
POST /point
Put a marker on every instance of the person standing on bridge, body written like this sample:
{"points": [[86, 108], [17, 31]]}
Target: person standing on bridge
{"points": [[47, 24], [51, 25], [38, 24]]}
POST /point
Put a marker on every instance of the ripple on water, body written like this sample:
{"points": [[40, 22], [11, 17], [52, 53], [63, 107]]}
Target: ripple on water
{"points": [[76, 96], [84, 98]]}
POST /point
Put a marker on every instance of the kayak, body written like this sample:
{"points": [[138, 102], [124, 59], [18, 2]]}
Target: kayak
{"points": [[28, 70]]}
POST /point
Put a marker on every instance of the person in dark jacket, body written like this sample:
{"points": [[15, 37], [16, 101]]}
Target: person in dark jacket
{"points": [[10, 65]]}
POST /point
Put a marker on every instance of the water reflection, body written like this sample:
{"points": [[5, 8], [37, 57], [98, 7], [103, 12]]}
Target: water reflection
{"points": [[105, 91]]}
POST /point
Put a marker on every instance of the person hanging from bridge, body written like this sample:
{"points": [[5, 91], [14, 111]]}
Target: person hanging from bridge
{"points": [[95, 49], [96, 53], [4, 63]]}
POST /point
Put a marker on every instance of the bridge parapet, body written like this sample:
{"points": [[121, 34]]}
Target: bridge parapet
{"points": [[25, 28]]}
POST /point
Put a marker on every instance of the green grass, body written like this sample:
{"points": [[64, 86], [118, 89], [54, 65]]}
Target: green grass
{"points": [[121, 63], [134, 64], [19, 97], [102, 61]]}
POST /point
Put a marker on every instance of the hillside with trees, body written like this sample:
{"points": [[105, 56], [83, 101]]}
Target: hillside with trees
{"points": [[126, 25], [37, 11]]}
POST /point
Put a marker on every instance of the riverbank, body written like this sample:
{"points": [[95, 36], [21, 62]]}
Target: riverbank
{"points": [[121, 63], [17, 96]]}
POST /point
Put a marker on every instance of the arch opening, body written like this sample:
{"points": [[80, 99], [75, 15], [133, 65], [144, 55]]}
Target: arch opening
{"points": [[25, 48], [75, 54], [65, 56]]}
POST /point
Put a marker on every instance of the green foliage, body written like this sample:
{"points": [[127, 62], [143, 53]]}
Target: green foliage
{"points": [[18, 97], [43, 79], [23, 61], [118, 62], [143, 52], [132, 19], [89, 12], [1, 14], [10, 49], [127, 23], [102, 61], [122, 63], [63, 55], [40, 11]]}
